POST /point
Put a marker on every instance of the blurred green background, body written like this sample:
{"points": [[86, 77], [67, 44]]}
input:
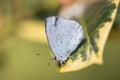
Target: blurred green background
{"points": [[24, 52]]}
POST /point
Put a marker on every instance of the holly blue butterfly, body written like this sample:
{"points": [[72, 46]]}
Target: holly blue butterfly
{"points": [[64, 36]]}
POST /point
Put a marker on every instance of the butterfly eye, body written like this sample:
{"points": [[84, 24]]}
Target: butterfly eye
{"points": [[62, 62]]}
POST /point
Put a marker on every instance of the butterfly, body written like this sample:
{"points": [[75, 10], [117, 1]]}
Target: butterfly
{"points": [[64, 37]]}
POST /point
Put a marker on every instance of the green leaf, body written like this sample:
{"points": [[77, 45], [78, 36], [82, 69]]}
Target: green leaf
{"points": [[97, 22], [116, 24]]}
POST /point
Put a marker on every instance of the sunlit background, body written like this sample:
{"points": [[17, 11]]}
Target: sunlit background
{"points": [[24, 51]]}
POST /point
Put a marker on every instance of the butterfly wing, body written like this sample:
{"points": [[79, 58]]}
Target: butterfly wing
{"points": [[63, 36]]}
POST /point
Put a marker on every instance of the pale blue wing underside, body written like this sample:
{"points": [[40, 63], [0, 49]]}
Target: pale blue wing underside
{"points": [[64, 36]]}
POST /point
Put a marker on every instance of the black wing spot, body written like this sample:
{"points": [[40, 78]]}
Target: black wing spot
{"points": [[56, 19]]}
